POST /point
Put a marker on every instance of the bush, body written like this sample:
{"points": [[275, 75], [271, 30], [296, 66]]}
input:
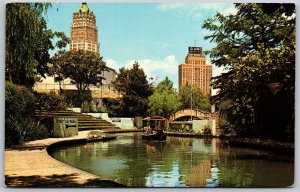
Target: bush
{"points": [[18, 101], [50, 102], [76, 100], [19, 114], [113, 107], [32, 131], [227, 128], [207, 130], [185, 129]]}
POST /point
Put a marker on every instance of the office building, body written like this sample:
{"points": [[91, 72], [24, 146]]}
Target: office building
{"points": [[195, 71]]}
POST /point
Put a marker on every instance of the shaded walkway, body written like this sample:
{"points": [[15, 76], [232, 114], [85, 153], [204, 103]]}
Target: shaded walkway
{"points": [[62, 180], [30, 165]]}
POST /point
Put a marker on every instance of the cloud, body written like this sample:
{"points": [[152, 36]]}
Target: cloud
{"points": [[218, 71], [113, 64], [155, 68], [170, 6], [197, 10], [229, 10]]}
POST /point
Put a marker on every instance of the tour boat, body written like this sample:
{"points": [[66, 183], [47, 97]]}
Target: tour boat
{"points": [[158, 136], [153, 129]]}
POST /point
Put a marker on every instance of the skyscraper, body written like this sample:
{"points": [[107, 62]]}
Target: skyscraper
{"points": [[84, 33], [195, 71]]}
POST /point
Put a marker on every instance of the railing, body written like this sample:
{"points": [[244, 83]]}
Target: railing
{"points": [[106, 90], [195, 113]]}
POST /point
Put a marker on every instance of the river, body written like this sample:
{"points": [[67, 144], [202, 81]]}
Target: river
{"points": [[179, 162]]}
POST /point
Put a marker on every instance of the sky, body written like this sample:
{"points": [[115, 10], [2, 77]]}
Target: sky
{"points": [[155, 35]]}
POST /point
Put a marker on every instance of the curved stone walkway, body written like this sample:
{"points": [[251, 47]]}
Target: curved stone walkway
{"points": [[30, 165]]}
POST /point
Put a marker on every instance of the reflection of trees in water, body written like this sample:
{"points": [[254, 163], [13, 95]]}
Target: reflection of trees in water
{"points": [[254, 172], [199, 173], [180, 141], [167, 154], [207, 142], [131, 161]]}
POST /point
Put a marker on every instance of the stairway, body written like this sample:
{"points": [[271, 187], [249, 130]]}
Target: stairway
{"points": [[85, 122]]}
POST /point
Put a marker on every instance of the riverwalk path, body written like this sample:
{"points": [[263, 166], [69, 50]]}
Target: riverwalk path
{"points": [[30, 165]]}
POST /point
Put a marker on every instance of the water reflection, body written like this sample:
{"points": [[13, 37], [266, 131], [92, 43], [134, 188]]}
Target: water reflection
{"points": [[178, 162]]}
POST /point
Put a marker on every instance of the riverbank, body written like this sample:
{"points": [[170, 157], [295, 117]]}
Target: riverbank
{"points": [[255, 143], [122, 130], [29, 165], [190, 135], [270, 145]]}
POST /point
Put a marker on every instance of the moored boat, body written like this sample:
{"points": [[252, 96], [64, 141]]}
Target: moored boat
{"points": [[153, 129], [158, 136]]}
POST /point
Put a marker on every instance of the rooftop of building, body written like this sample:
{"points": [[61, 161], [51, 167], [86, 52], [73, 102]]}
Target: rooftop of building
{"points": [[196, 55], [84, 9]]}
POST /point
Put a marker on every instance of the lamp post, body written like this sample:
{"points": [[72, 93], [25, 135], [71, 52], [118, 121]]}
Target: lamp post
{"points": [[191, 103], [101, 84]]}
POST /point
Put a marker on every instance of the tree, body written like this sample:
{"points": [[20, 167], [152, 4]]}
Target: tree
{"points": [[199, 100], [132, 84], [83, 68], [165, 100], [28, 41], [257, 45]]}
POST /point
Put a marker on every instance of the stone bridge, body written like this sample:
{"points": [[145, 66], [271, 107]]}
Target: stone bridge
{"points": [[195, 113]]}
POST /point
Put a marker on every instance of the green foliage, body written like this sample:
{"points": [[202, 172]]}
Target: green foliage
{"points": [[76, 99], [167, 127], [50, 102], [28, 41], [19, 101], [207, 130], [164, 101], [19, 112], [33, 131], [84, 68], [113, 107], [257, 46], [199, 100], [185, 129], [89, 107], [133, 85]]}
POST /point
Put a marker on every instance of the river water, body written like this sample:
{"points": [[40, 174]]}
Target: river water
{"points": [[179, 162]]}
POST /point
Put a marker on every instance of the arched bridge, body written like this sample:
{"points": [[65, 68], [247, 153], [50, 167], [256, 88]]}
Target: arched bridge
{"points": [[195, 113]]}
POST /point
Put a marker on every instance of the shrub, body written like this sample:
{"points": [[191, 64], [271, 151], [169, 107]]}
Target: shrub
{"points": [[207, 130], [19, 113], [48, 123], [113, 107], [167, 127], [18, 101], [33, 131], [228, 128], [185, 129], [76, 100], [50, 102]]}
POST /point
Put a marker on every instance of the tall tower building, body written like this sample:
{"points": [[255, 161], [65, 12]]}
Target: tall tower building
{"points": [[84, 33], [195, 71], [84, 36]]}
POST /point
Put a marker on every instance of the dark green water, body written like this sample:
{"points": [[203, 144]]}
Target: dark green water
{"points": [[179, 162]]}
